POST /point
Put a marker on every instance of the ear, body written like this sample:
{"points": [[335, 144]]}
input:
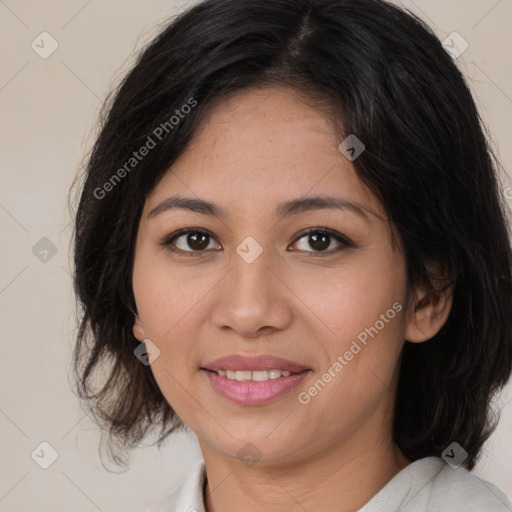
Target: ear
{"points": [[138, 329], [428, 312]]}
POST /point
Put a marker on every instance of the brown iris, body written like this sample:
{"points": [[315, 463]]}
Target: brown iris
{"points": [[197, 240], [319, 241]]}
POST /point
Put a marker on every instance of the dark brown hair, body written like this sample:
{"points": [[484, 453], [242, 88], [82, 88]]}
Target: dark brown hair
{"points": [[381, 74]]}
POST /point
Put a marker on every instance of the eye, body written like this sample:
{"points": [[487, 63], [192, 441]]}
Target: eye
{"points": [[195, 242], [320, 239], [189, 241]]}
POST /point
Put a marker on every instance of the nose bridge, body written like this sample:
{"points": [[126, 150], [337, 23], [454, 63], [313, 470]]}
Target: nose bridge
{"points": [[252, 297], [251, 279]]}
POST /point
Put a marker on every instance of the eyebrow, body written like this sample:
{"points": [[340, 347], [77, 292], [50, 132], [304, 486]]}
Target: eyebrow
{"points": [[293, 207]]}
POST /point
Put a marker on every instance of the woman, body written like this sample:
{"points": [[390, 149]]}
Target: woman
{"points": [[291, 239]]}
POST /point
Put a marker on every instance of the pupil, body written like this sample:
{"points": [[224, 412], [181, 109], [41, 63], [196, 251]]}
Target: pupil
{"points": [[194, 244], [319, 245]]}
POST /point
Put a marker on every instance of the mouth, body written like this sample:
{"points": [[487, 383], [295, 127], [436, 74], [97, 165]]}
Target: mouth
{"points": [[242, 363], [250, 391], [253, 380], [255, 375]]}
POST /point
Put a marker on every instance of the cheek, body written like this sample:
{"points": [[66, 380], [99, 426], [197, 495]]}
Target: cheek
{"points": [[165, 303], [366, 323], [171, 305], [166, 297], [347, 302]]}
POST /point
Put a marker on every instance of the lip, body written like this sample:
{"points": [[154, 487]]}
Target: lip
{"points": [[253, 363], [254, 392], [250, 392]]}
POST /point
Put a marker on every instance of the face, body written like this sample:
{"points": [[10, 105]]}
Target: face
{"points": [[268, 271]]}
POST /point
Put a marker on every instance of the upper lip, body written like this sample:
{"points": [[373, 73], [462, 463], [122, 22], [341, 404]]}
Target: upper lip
{"points": [[253, 363]]}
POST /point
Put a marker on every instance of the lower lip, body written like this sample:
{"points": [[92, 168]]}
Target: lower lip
{"points": [[249, 392]]}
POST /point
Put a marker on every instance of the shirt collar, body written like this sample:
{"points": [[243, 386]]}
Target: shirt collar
{"points": [[190, 496]]}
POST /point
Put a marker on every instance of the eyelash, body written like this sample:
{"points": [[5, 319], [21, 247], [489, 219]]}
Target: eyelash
{"points": [[345, 242]]}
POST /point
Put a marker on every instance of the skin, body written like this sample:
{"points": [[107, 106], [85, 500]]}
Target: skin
{"points": [[256, 149]]}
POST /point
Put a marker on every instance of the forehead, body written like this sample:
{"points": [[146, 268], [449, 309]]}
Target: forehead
{"points": [[263, 146], [258, 122]]}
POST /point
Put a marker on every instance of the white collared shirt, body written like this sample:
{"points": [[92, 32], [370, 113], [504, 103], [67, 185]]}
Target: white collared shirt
{"points": [[426, 485]]}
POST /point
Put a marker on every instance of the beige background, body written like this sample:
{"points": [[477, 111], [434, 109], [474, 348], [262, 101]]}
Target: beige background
{"points": [[48, 109]]}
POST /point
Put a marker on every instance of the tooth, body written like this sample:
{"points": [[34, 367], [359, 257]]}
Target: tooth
{"points": [[243, 375], [260, 375], [256, 375]]}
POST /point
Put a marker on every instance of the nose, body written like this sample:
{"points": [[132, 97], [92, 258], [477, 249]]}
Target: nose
{"points": [[252, 300]]}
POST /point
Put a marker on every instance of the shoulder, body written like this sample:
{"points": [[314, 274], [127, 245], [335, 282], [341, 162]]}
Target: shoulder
{"points": [[441, 488], [188, 496], [459, 489], [431, 485]]}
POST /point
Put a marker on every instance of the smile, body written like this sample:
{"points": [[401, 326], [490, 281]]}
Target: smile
{"points": [[256, 375], [251, 388]]}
